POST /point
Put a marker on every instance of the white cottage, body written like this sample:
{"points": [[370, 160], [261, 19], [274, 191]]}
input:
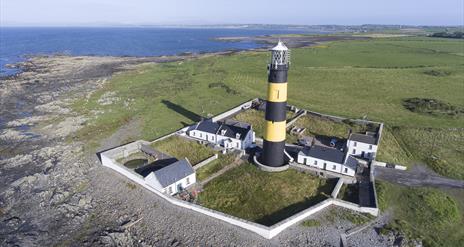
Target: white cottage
{"points": [[329, 159], [172, 178], [231, 134], [362, 145]]}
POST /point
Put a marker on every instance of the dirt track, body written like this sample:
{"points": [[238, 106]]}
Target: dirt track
{"points": [[418, 175]]}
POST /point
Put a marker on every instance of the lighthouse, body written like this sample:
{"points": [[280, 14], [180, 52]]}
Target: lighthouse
{"points": [[276, 104]]}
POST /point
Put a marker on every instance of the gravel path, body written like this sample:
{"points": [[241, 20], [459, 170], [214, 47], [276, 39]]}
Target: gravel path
{"points": [[418, 175]]}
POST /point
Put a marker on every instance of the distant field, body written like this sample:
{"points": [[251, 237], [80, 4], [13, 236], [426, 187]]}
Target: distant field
{"points": [[355, 79]]}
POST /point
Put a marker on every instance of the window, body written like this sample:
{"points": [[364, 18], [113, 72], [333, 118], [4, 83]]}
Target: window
{"points": [[346, 170], [200, 135], [334, 167], [354, 144], [354, 151], [170, 190], [370, 147], [188, 181], [315, 162]]}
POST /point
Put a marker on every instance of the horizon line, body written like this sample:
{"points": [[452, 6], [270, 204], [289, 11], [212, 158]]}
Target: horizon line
{"points": [[235, 25]]}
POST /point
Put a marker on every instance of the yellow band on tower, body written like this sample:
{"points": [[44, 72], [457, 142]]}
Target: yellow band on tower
{"points": [[277, 92], [275, 131]]}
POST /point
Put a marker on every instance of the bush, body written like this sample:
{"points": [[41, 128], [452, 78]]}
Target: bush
{"points": [[432, 107]]}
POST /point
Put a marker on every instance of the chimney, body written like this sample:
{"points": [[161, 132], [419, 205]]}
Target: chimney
{"points": [[237, 135], [223, 132]]}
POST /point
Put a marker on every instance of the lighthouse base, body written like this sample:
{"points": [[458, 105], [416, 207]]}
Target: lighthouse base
{"points": [[268, 168]]}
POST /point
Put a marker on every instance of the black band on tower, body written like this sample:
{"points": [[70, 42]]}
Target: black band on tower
{"points": [[278, 74], [276, 111], [273, 154]]}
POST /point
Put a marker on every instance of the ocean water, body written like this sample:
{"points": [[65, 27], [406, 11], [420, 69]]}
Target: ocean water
{"points": [[18, 43]]}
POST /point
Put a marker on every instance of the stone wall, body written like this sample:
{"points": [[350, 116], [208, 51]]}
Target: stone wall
{"points": [[205, 162]]}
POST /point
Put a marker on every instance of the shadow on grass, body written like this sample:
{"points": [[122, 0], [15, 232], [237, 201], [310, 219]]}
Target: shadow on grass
{"points": [[182, 111], [323, 193]]}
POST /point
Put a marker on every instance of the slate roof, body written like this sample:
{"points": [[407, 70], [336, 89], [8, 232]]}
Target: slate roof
{"points": [[208, 126], [325, 153], [232, 131], [351, 162], [174, 172], [230, 126], [364, 138]]}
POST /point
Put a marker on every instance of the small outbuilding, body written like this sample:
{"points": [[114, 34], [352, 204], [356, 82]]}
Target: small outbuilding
{"points": [[329, 159], [172, 178]]}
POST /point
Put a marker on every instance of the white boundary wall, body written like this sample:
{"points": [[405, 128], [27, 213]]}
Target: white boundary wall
{"points": [[234, 110], [107, 159], [355, 207], [337, 188]]}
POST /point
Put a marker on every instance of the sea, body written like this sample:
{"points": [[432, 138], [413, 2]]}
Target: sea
{"points": [[18, 43]]}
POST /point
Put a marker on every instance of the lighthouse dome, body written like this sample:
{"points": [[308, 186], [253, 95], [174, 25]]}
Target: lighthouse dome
{"points": [[280, 47]]}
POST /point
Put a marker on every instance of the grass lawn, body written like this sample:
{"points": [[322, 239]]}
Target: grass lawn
{"points": [[316, 126], [182, 148], [214, 166], [253, 117], [256, 119], [430, 214], [441, 149], [263, 197], [392, 150]]}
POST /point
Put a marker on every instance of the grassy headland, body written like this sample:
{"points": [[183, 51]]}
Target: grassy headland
{"points": [[363, 78]]}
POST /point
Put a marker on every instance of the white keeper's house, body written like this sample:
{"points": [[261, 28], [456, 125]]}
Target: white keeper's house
{"points": [[229, 134], [344, 161], [363, 145]]}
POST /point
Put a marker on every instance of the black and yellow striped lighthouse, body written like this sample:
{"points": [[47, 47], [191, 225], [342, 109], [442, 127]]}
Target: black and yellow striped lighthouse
{"points": [[276, 104]]}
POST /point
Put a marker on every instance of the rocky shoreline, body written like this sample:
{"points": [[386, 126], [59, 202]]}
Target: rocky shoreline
{"points": [[54, 192]]}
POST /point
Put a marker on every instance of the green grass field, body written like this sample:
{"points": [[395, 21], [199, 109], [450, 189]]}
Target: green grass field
{"points": [[369, 78], [182, 148], [263, 197], [215, 166], [430, 214]]}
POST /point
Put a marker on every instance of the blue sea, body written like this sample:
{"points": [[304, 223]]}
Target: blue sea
{"points": [[18, 43]]}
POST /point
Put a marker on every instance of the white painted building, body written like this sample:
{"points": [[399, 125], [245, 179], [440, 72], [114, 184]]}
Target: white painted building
{"points": [[232, 134], [172, 178], [335, 160], [362, 145], [329, 159]]}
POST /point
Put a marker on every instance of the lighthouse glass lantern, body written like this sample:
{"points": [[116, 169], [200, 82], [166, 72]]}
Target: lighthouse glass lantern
{"points": [[280, 55]]}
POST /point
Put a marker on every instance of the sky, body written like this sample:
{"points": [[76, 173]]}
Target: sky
{"points": [[196, 12]]}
